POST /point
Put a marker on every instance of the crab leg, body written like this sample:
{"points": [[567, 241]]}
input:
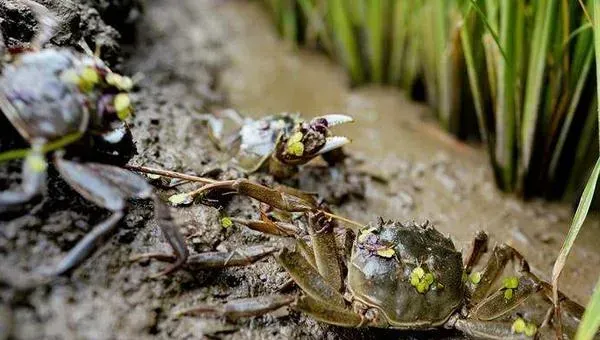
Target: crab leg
{"points": [[34, 178], [500, 257], [109, 187], [268, 227], [323, 302], [216, 259], [309, 279], [320, 229], [240, 308], [278, 199], [478, 247]]}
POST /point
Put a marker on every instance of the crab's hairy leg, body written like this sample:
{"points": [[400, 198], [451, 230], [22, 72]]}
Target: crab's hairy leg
{"points": [[309, 279], [240, 308], [320, 229], [34, 178], [46, 20], [500, 257], [217, 259], [478, 247]]}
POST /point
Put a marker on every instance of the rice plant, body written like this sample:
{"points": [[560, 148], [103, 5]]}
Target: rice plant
{"points": [[516, 74]]}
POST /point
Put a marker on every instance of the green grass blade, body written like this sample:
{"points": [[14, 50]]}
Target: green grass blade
{"points": [[489, 26], [289, 21], [375, 27], [581, 80], [535, 79], [578, 219], [505, 103], [346, 43], [596, 18], [591, 318], [400, 27], [472, 73]]}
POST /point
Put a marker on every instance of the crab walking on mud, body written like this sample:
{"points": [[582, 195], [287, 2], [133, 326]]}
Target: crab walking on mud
{"points": [[399, 276], [279, 143], [57, 94]]}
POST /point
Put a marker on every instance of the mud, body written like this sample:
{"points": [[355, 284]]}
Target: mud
{"points": [[200, 56]]}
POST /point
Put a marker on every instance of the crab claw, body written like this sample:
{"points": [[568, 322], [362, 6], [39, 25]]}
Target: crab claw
{"points": [[332, 143], [335, 119]]}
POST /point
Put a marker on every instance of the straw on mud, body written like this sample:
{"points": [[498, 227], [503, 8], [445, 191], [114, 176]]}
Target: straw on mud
{"points": [[170, 174]]}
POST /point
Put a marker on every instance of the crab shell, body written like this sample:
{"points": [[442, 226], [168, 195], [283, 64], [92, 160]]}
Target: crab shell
{"points": [[384, 283], [38, 102]]}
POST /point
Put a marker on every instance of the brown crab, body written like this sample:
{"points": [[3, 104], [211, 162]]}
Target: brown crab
{"points": [[399, 275]]}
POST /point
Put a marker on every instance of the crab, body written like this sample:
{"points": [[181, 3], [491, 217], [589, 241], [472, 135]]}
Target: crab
{"points": [[404, 276], [277, 143], [73, 104]]}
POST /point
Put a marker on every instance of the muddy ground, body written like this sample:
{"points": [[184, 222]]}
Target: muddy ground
{"points": [[200, 56]]}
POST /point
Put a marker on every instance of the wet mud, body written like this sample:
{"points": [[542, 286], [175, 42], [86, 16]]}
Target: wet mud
{"points": [[203, 56]]}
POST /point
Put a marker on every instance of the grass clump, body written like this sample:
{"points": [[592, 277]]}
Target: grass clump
{"points": [[518, 75]]}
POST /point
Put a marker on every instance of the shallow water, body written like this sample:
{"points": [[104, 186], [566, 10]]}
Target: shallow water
{"points": [[430, 175]]}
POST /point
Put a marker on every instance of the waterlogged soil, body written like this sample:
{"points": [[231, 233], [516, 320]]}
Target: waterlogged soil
{"points": [[199, 56]]}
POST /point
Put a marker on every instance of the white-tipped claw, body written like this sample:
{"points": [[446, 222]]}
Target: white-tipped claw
{"points": [[333, 143], [336, 119]]}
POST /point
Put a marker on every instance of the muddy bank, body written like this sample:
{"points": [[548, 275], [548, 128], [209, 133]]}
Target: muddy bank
{"points": [[201, 56]]}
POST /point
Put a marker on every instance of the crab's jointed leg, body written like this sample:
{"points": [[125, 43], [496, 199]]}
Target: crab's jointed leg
{"points": [[500, 257], [215, 259], [34, 178], [520, 314], [240, 308], [320, 229], [109, 187]]}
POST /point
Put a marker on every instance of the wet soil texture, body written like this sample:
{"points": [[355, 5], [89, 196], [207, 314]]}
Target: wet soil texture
{"points": [[199, 56]]}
